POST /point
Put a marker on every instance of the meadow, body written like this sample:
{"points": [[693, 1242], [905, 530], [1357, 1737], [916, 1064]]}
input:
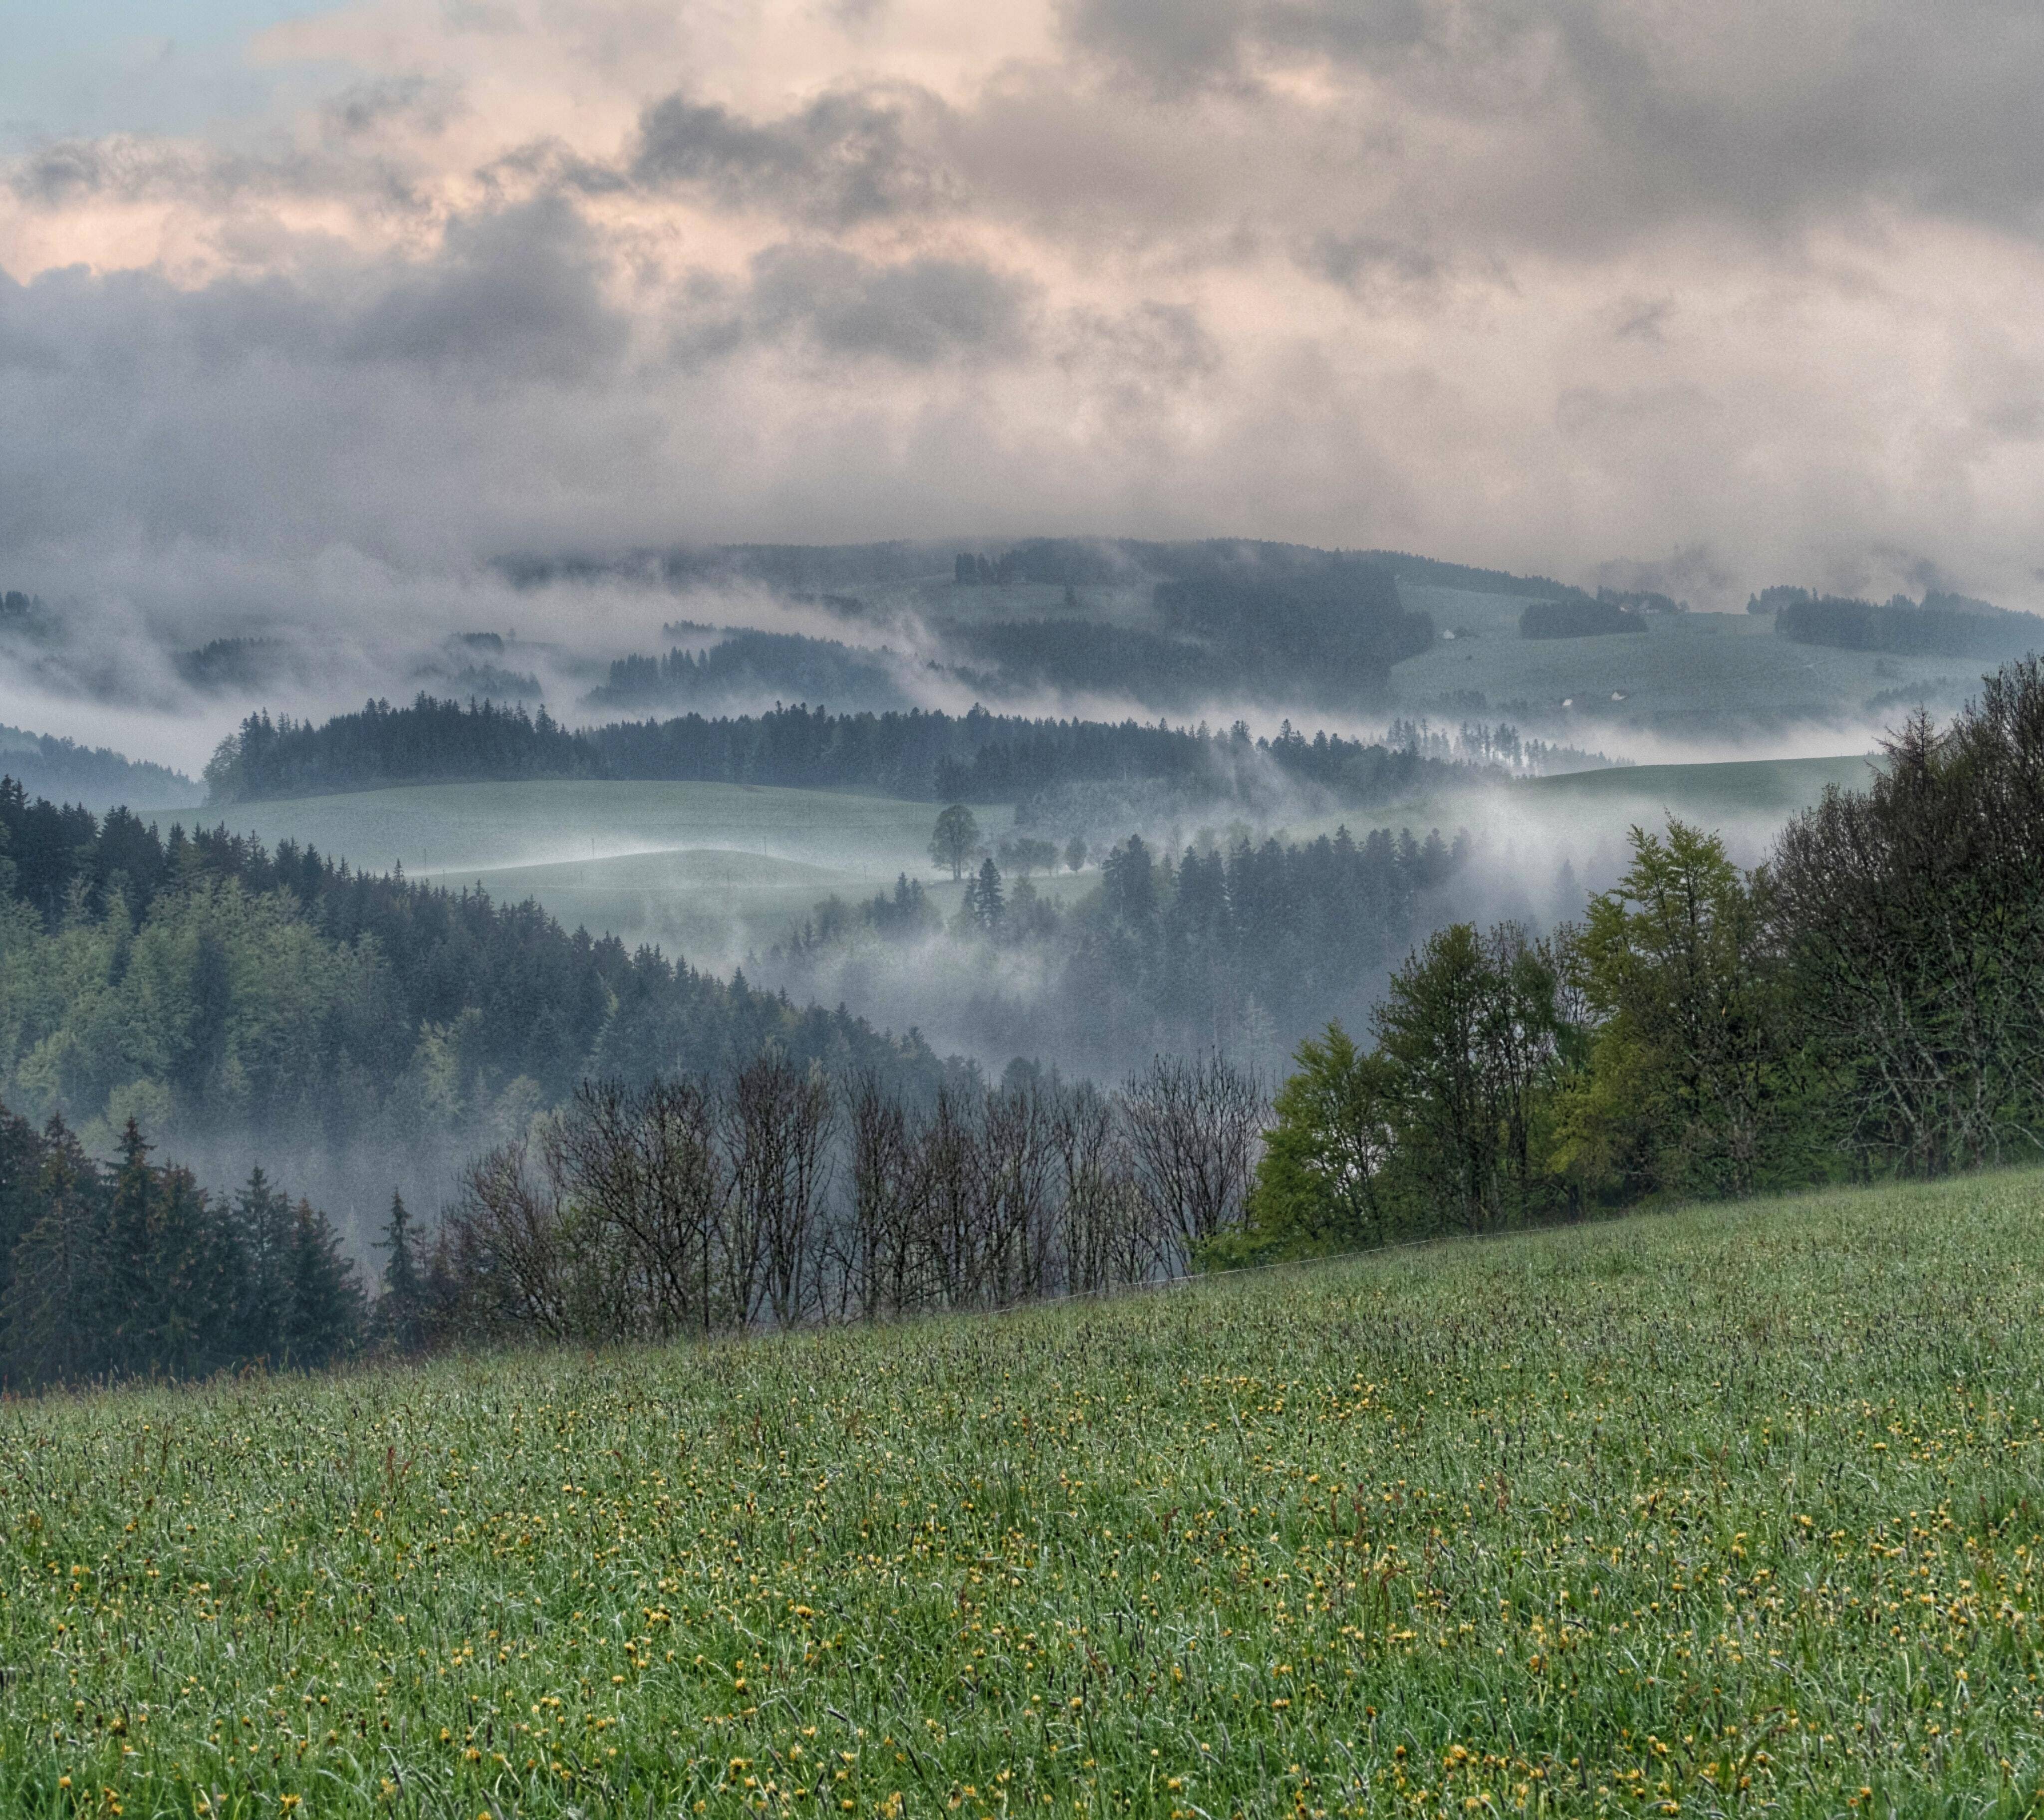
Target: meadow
{"points": [[715, 871], [1725, 1510], [703, 869], [1720, 678]]}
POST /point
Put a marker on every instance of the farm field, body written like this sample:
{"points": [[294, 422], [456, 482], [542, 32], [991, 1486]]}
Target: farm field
{"points": [[1689, 676], [1728, 1510]]}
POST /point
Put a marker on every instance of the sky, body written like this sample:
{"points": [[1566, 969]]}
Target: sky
{"points": [[333, 303]]}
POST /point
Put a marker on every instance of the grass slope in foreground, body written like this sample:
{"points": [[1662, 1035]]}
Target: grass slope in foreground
{"points": [[1729, 1509]]}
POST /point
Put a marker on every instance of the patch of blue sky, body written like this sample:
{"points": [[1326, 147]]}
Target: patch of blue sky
{"points": [[84, 67]]}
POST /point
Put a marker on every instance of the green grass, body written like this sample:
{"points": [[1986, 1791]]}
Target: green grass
{"points": [[1690, 675], [1726, 1510], [704, 869]]}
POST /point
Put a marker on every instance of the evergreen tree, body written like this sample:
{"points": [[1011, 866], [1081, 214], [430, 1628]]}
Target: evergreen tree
{"points": [[262, 1225], [47, 1315], [125, 1286], [400, 1321], [984, 899], [323, 1319]]}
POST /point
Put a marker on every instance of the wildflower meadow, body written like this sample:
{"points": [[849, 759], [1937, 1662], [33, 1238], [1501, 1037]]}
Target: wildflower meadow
{"points": [[1734, 1510]]}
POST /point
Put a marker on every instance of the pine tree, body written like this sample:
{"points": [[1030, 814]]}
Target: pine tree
{"points": [[324, 1318], [126, 1282], [400, 1321], [262, 1224], [51, 1335], [984, 899]]}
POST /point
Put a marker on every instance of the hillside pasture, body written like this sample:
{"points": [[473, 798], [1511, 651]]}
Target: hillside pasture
{"points": [[1708, 678], [704, 869], [1726, 1511]]}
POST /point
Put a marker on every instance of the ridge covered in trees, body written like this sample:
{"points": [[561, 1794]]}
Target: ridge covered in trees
{"points": [[218, 990], [1943, 625], [920, 754], [1243, 947]]}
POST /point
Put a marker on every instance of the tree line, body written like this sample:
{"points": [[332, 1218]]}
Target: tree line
{"points": [[919, 755], [1868, 1003], [779, 1196], [214, 988], [1940, 625], [1246, 946], [130, 1269]]}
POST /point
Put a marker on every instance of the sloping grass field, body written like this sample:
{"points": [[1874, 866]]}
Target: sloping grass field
{"points": [[704, 869], [1728, 1511], [1688, 675]]}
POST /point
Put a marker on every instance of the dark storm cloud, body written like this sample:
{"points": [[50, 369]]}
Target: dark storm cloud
{"points": [[516, 294], [1606, 117], [918, 312], [361, 400], [1541, 282], [848, 157], [1174, 44]]}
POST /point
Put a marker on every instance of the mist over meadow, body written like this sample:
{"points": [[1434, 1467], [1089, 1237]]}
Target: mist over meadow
{"points": [[1324, 450]]}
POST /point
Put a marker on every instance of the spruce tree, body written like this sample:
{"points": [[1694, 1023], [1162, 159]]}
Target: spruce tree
{"points": [[126, 1284], [262, 1224], [47, 1315], [323, 1319], [400, 1321]]}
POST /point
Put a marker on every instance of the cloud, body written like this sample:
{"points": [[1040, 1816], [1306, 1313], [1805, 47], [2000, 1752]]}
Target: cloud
{"points": [[918, 312], [1546, 284], [848, 156], [516, 294]]}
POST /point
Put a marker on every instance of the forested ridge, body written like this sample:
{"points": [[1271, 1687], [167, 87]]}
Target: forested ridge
{"points": [[208, 986], [1244, 948], [1868, 1004], [919, 754]]}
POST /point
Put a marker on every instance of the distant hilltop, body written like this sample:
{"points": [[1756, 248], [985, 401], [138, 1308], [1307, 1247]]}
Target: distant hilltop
{"points": [[91, 776]]}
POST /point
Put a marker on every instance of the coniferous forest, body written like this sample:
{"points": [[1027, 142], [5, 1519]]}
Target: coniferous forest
{"points": [[1864, 1004], [920, 754]]}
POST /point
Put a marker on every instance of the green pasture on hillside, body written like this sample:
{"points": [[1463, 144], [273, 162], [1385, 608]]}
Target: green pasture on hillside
{"points": [[1688, 675], [1583, 814], [1729, 1511], [704, 869], [714, 871]]}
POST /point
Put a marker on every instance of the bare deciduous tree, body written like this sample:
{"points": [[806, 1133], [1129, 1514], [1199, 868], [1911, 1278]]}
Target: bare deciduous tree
{"points": [[1196, 1128]]}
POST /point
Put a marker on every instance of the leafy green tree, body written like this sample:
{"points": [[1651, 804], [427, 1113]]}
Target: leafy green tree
{"points": [[1689, 1076], [1025, 854], [956, 838], [1321, 1181], [1469, 1030], [1075, 854], [1910, 917]]}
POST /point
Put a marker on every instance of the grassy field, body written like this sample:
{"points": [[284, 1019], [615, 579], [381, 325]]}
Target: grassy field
{"points": [[712, 870], [703, 869], [1690, 675], [1528, 824], [1729, 1511]]}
